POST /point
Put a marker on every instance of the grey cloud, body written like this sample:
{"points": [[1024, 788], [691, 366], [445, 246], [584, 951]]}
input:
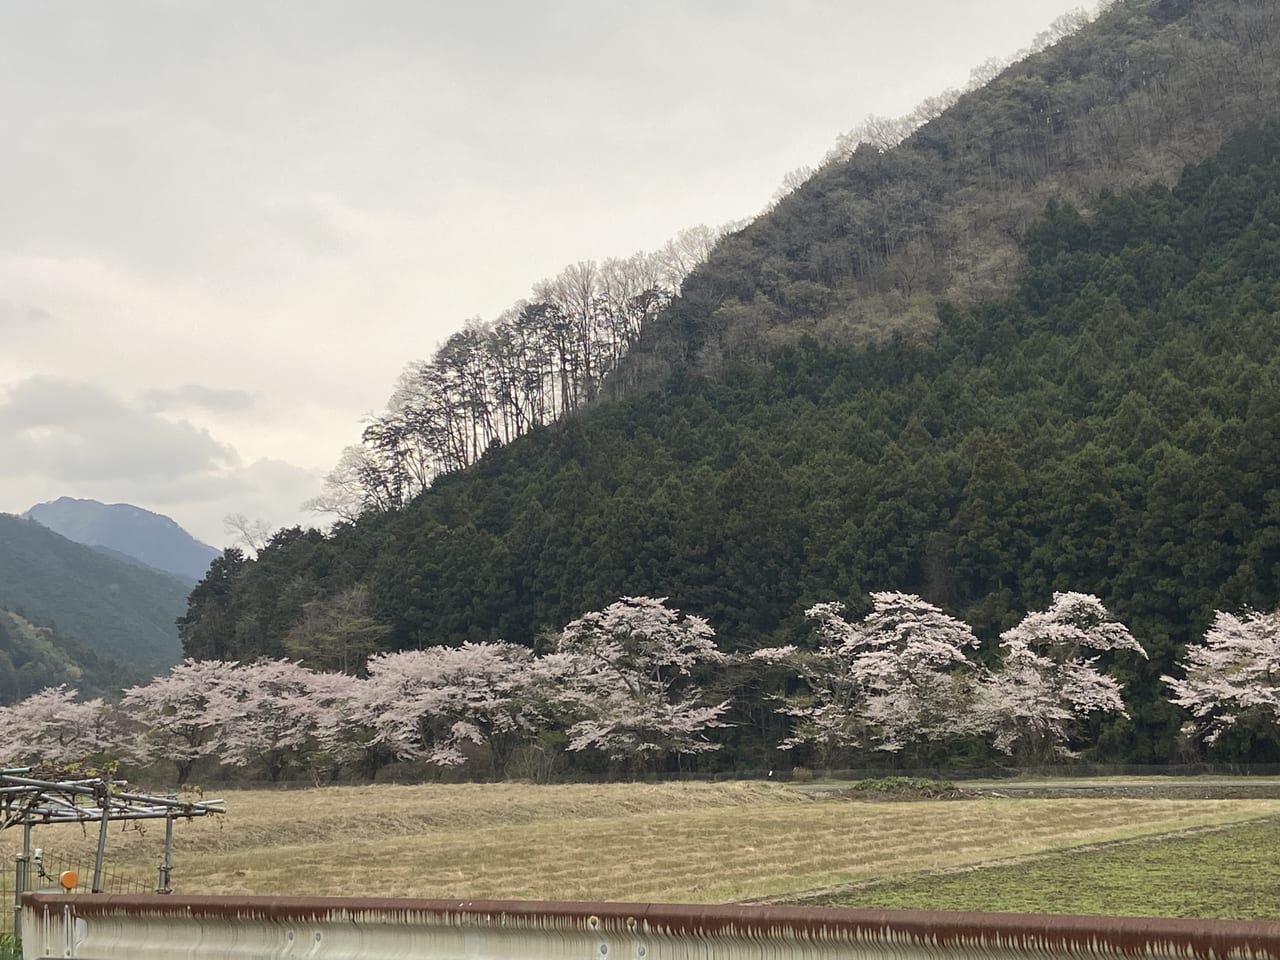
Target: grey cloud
{"points": [[268, 489], [308, 226], [79, 432], [19, 316], [200, 397]]}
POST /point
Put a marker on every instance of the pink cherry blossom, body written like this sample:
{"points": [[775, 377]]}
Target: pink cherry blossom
{"points": [[1235, 673], [54, 726], [1047, 683], [431, 703], [627, 685]]}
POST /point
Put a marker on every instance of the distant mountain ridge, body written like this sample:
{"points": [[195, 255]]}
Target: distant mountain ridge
{"points": [[121, 528], [120, 611]]}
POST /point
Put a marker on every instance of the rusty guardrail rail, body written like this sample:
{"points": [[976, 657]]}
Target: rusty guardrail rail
{"points": [[143, 927]]}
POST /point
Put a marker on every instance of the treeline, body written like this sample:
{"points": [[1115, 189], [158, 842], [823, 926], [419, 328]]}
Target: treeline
{"points": [[868, 246], [1114, 427], [495, 381], [881, 133]]}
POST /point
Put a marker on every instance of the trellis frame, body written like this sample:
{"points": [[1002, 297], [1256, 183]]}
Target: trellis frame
{"points": [[27, 802]]}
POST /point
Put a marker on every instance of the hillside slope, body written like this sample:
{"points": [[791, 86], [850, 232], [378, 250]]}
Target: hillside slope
{"points": [[118, 610], [1113, 426], [150, 538], [33, 657]]}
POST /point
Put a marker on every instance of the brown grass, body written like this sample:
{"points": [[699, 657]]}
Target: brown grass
{"points": [[676, 842]]}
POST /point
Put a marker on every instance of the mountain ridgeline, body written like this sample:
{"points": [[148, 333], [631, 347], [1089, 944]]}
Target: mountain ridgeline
{"points": [[1087, 398], [128, 531]]}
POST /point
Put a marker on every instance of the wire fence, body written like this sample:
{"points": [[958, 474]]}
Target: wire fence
{"points": [[47, 874]]}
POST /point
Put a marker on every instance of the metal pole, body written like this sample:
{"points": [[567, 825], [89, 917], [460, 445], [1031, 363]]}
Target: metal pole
{"points": [[166, 865], [105, 800], [20, 879]]}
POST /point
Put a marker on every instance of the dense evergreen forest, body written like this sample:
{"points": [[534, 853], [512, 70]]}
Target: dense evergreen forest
{"points": [[1112, 425]]}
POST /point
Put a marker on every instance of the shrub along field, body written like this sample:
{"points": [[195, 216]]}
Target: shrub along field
{"points": [[663, 842]]}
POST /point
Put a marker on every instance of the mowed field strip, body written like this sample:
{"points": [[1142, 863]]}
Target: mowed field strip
{"points": [[641, 842]]}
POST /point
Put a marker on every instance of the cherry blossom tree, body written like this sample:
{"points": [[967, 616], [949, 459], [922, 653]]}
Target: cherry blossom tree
{"points": [[278, 713], [53, 726], [911, 661], [628, 685], [896, 679], [1234, 676], [1049, 680], [431, 703], [178, 717]]}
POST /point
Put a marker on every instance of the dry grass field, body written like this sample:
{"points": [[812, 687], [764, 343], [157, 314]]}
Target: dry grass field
{"points": [[643, 842]]}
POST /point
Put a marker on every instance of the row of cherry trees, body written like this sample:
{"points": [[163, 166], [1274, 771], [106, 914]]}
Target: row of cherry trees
{"points": [[619, 681], [627, 683], [494, 381]]}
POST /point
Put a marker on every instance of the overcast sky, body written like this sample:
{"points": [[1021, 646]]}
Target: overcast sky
{"points": [[225, 227]]}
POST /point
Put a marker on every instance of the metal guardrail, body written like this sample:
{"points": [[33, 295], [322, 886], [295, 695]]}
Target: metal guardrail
{"points": [[106, 927]]}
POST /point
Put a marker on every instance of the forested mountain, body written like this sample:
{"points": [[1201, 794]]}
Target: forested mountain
{"points": [[1088, 399], [903, 216], [149, 538], [114, 609]]}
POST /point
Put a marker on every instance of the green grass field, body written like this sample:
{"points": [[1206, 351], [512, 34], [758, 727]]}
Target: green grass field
{"points": [[1231, 872]]}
